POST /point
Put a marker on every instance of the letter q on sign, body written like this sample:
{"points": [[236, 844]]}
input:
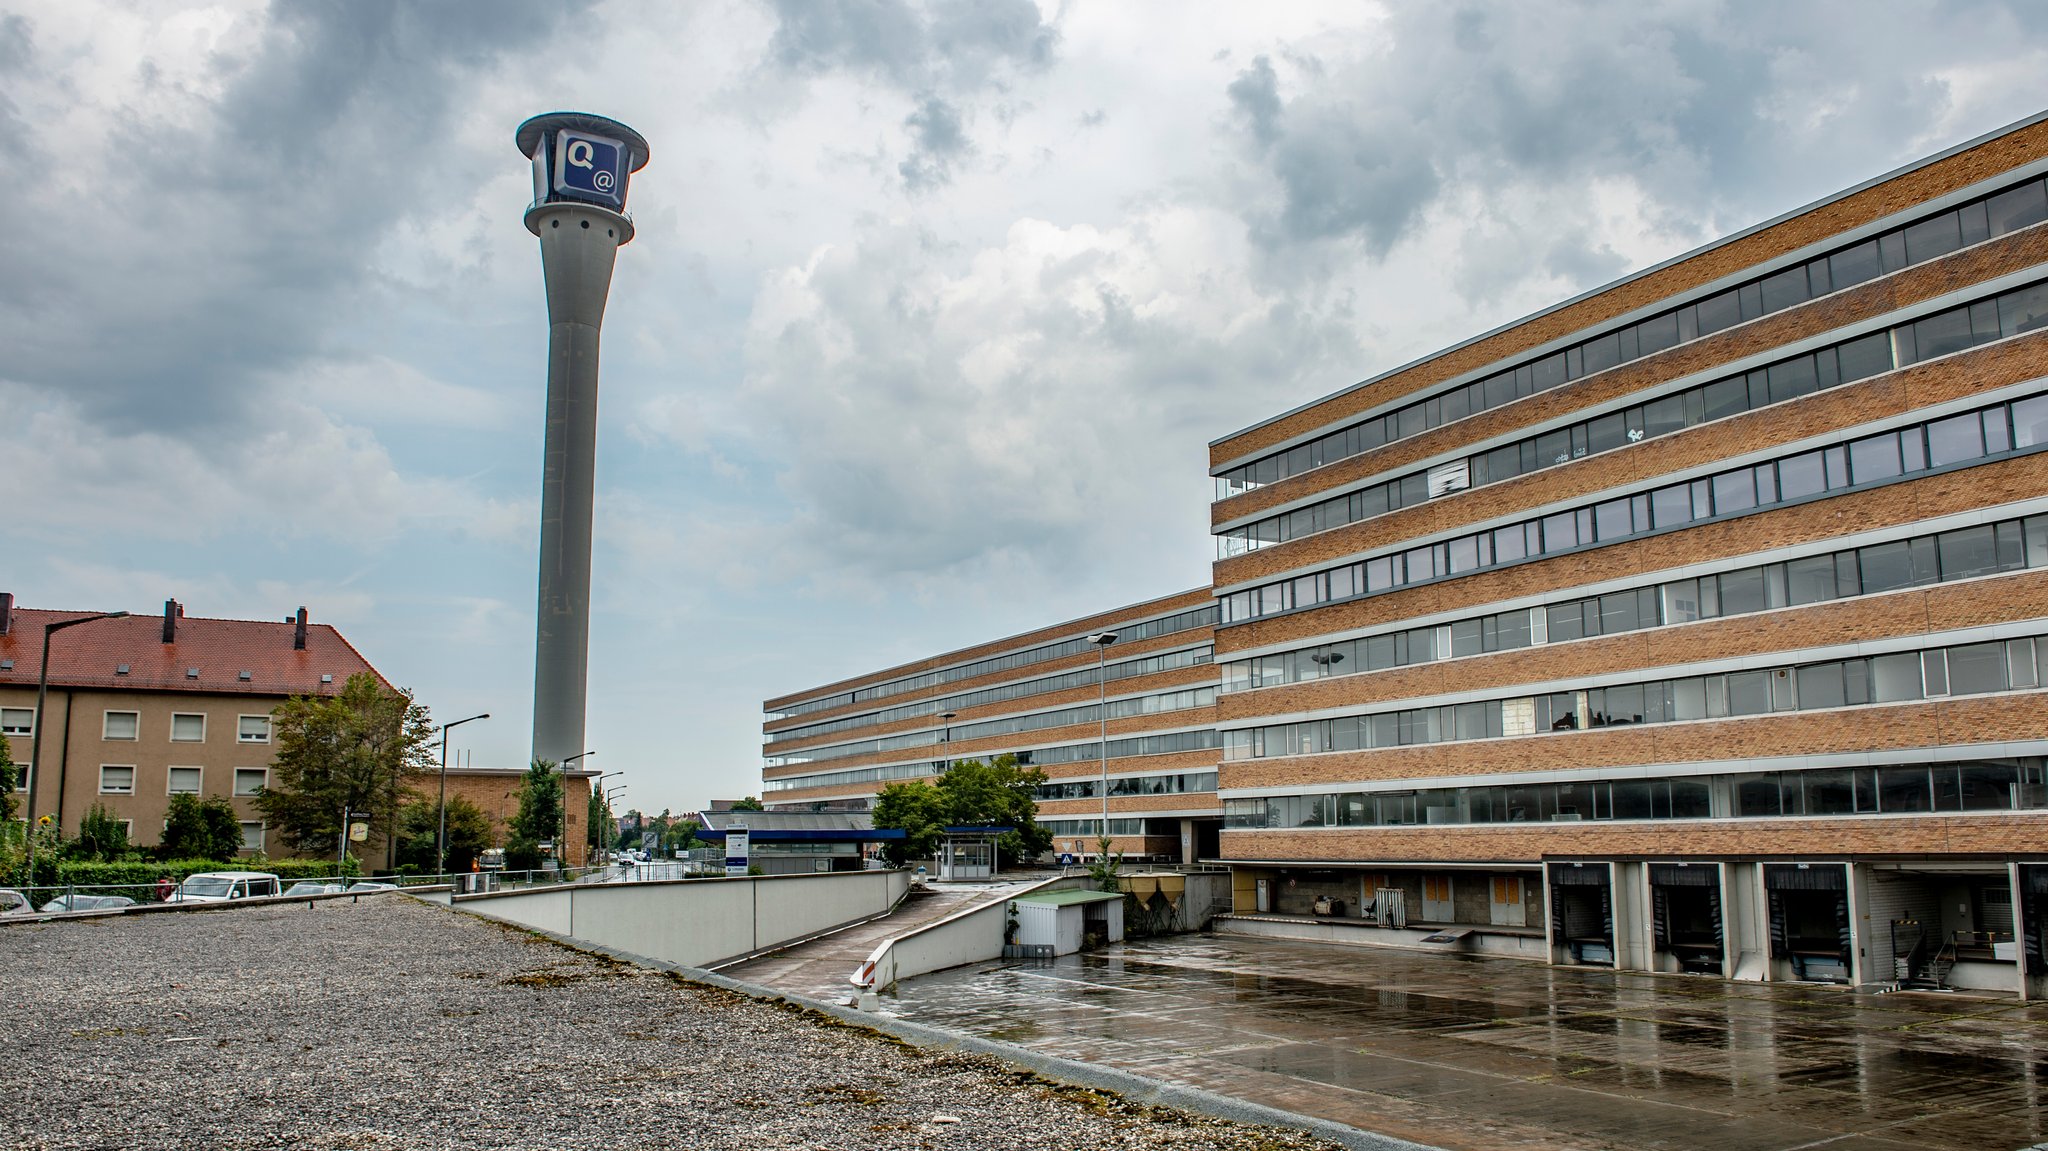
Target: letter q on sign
{"points": [[589, 167]]}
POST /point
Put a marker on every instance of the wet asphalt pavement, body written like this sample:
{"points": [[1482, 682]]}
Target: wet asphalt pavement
{"points": [[1471, 1054]]}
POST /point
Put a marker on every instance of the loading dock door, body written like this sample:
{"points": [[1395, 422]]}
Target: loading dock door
{"points": [[1437, 905], [1685, 914], [2034, 919], [1582, 912], [1506, 905], [1810, 929]]}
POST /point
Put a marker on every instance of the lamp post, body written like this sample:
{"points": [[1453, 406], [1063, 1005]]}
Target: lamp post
{"points": [[35, 747], [441, 836], [562, 840], [604, 799], [946, 740], [1102, 640]]}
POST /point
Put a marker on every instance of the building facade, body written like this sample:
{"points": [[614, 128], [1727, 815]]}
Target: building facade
{"points": [[1034, 696], [1697, 623]]}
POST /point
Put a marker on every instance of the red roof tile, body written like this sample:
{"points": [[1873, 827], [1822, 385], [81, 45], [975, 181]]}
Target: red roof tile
{"points": [[90, 655]]}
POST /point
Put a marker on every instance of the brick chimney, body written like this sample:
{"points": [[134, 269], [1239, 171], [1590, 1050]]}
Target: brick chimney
{"points": [[6, 612], [172, 610], [299, 631]]}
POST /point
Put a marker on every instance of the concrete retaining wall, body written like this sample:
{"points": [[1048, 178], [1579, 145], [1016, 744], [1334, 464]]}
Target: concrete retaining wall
{"points": [[698, 922], [1480, 942], [969, 936]]}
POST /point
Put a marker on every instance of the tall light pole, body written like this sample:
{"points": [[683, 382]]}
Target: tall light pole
{"points": [[562, 840], [603, 797], [441, 836], [581, 165], [1102, 640], [946, 740], [35, 748]]}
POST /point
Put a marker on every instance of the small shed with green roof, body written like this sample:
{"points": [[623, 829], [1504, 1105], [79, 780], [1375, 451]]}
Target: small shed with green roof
{"points": [[1064, 920]]}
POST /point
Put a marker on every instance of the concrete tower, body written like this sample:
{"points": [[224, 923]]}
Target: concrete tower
{"points": [[581, 165]]}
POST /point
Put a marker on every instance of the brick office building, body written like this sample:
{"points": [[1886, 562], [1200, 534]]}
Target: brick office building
{"points": [[1034, 696], [1696, 623]]}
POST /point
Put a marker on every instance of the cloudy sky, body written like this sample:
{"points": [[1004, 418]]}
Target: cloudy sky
{"points": [[932, 311]]}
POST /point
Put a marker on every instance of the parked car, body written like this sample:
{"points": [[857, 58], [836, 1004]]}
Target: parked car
{"points": [[366, 886], [222, 886], [313, 887], [88, 902], [13, 902]]}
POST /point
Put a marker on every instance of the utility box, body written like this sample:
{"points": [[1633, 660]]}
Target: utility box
{"points": [[1061, 919]]}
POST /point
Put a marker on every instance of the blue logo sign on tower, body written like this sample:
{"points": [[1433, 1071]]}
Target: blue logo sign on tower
{"points": [[590, 167]]}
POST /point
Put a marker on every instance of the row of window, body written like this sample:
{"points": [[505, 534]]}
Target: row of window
{"points": [[1173, 784], [2008, 314], [1949, 441], [1005, 725], [1130, 633], [931, 708], [127, 725], [1969, 669], [1167, 744], [1971, 785], [1091, 828], [1994, 215], [120, 779], [1962, 554]]}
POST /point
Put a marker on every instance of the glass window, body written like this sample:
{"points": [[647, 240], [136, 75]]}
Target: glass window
{"points": [[253, 729], [1976, 668], [17, 720], [1810, 580], [1801, 476], [1756, 795], [1934, 672], [117, 780], [120, 725], [1933, 237], [1792, 378], [1718, 312], [2016, 208], [1988, 786], [1903, 789], [1612, 520], [1691, 799], [1742, 591], [250, 780], [184, 781], [1821, 685], [1566, 622], [1749, 692], [1875, 458], [1854, 265], [1734, 491], [1865, 357], [1895, 565], [188, 728], [1828, 792], [1784, 289], [1955, 439], [1969, 552], [1688, 698]]}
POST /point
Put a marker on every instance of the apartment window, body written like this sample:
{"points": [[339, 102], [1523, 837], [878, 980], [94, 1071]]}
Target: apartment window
{"points": [[184, 781], [17, 721], [253, 729], [188, 729], [21, 777], [252, 837], [251, 780], [120, 725], [117, 780]]}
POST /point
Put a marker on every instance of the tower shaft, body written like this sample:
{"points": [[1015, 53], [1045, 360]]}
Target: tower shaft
{"points": [[578, 246]]}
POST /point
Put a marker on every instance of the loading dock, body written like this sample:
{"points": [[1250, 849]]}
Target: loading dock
{"points": [[1811, 936], [1687, 926], [1582, 913]]}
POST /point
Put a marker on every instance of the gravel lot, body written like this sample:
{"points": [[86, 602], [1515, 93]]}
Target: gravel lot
{"points": [[388, 1023]]}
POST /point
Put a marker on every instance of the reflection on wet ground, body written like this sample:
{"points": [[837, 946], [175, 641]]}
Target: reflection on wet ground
{"points": [[1469, 1053]]}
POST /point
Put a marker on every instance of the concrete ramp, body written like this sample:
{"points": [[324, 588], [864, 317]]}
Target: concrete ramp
{"points": [[698, 922], [819, 967]]}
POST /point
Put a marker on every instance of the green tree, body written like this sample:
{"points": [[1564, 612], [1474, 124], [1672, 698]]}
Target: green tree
{"points": [[1107, 869], [748, 804], [971, 791], [419, 829], [540, 810], [360, 749], [200, 829], [10, 777], [100, 836], [681, 835], [600, 820]]}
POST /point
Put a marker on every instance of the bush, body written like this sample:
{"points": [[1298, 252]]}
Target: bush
{"points": [[197, 828], [522, 855], [100, 836]]}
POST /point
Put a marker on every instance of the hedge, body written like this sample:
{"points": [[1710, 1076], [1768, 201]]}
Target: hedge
{"points": [[143, 875]]}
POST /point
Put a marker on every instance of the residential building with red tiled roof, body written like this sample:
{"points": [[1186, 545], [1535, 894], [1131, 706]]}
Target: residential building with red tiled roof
{"points": [[144, 707]]}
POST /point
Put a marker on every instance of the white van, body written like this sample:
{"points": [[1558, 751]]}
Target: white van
{"points": [[221, 886]]}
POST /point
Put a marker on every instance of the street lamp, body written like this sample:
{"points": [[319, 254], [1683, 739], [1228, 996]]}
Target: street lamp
{"points": [[441, 836], [35, 748], [562, 839], [604, 799], [1102, 640], [946, 740]]}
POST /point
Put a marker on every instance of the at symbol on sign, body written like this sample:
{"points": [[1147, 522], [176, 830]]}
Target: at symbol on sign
{"points": [[602, 180]]}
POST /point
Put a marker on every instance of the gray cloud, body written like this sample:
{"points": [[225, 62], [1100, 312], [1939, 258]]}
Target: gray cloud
{"points": [[209, 239], [1718, 116], [943, 55], [938, 140]]}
